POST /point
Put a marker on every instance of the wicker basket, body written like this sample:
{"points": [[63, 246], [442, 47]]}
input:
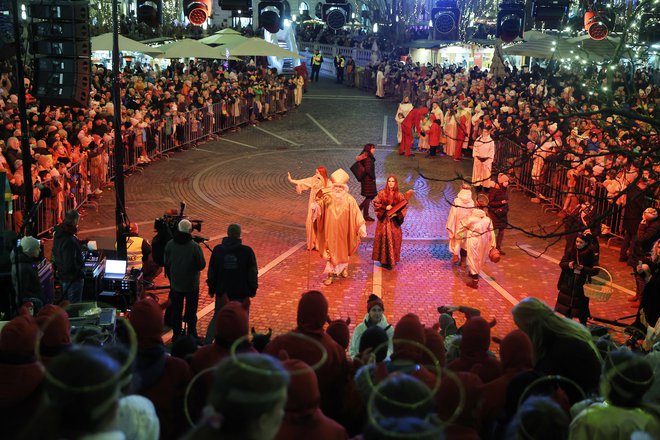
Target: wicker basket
{"points": [[599, 289]]}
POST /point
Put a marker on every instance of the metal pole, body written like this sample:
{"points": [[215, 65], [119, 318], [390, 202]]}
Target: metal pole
{"points": [[22, 113], [120, 212]]}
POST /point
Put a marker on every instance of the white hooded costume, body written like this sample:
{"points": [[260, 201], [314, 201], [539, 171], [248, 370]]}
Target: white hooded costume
{"points": [[484, 147], [479, 239], [458, 214]]}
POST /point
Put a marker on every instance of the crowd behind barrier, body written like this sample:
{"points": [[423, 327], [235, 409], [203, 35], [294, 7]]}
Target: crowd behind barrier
{"points": [[555, 181], [81, 182]]}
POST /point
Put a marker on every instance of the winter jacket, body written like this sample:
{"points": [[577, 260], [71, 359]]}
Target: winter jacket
{"points": [[635, 205], [354, 348], [183, 262], [647, 234], [497, 209], [233, 270], [368, 182], [571, 301], [67, 255], [435, 132]]}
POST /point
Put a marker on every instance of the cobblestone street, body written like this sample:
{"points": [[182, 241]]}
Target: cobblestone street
{"points": [[242, 178]]}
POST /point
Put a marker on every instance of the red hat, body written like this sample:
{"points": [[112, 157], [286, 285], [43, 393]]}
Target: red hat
{"points": [[374, 300], [55, 325], [146, 318], [232, 324], [312, 312], [303, 394], [19, 337], [338, 331]]}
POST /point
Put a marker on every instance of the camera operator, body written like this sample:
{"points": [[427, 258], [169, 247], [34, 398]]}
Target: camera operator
{"points": [[140, 255], [68, 257], [183, 262], [24, 275]]}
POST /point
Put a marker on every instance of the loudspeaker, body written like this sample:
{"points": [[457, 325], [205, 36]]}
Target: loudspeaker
{"points": [[62, 48], [235, 5]]}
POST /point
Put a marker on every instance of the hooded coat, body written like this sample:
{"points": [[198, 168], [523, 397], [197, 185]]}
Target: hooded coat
{"points": [[498, 210], [354, 348], [333, 374], [368, 183], [474, 355], [388, 235], [458, 214], [484, 148], [303, 419]]}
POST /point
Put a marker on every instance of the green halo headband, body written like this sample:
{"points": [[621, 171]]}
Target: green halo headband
{"points": [[315, 367], [553, 378]]}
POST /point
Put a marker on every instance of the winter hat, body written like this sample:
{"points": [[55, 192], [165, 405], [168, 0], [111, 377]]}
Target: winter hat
{"points": [[30, 246], [232, 323], [312, 312], [185, 226], [338, 331], [303, 397], [373, 301], [19, 337], [146, 318], [56, 328], [340, 177]]}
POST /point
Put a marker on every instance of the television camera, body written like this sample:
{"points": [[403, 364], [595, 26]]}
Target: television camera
{"points": [[169, 223]]}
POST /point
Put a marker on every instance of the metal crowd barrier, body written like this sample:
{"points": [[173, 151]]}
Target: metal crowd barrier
{"points": [[87, 178]]}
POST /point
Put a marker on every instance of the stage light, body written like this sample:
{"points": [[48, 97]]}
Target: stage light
{"points": [[445, 17], [149, 12], [595, 25], [551, 12], [273, 15], [197, 11], [336, 13], [510, 21]]}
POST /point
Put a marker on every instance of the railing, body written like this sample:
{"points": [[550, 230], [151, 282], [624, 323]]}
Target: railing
{"points": [[160, 138], [362, 57]]}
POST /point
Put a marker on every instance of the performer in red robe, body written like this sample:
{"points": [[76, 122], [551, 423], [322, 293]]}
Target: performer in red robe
{"points": [[390, 214]]}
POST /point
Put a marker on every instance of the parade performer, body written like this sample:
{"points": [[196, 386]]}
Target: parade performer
{"points": [[484, 153], [314, 183], [577, 266], [339, 225], [479, 237], [411, 121], [458, 214], [391, 207]]}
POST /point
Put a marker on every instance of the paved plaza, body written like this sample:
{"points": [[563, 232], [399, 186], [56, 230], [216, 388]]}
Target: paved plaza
{"points": [[242, 178]]}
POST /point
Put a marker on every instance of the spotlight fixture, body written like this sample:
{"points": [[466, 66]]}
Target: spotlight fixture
{"points": [[150, 12], [336, 13], [272, 14], [446, 18], [510, 21], [197, 11]]}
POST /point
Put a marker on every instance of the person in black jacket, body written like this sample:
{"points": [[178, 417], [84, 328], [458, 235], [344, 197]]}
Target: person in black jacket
{"points": [[632, 215], [368, 181], [68, 257], [25, 277], [576, 266], [648, 232], [232, 274], [183, 262], [498, 207]]}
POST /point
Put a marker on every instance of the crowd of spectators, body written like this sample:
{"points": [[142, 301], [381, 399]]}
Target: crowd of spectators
{"points": [[72, 147], [555, 120], [551, 379]]}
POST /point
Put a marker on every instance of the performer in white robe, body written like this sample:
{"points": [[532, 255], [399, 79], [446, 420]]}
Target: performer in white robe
{"points": [[339, 225], [451, 131], [401, 112], [458, 213], [484, 153], [380, 84], [479, 240], [314, 183]]}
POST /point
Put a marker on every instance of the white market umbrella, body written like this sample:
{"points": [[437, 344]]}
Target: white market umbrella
{"points": [[188, 48], [104, 42], [228, 38], [259, 47]]}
